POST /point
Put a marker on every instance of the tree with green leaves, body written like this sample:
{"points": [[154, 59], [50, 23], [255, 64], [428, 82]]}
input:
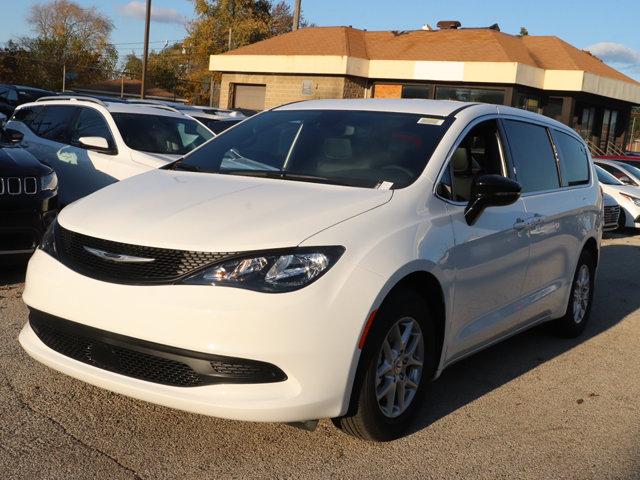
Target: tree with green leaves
{"points": [[67, 34], [221, 25]]}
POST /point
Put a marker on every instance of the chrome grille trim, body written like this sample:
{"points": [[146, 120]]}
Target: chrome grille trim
{"points": [[15, 186]]}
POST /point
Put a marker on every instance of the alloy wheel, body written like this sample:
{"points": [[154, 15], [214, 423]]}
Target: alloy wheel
{"points": [[399, 367], [581, 293]]}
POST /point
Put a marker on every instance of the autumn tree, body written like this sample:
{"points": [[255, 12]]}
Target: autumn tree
{"points": [[66, 33], [221, 25]]}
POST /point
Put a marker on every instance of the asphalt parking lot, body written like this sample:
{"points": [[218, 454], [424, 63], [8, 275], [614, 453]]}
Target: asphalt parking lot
{"points": [[532, 407]]}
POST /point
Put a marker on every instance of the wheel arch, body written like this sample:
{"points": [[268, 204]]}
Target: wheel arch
{"points": [[430, 287], [591, 245]]}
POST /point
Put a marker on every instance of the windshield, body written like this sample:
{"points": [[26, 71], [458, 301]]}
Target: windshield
{"points": [[217, 126], [161, 133], [632, 168], [355, 148], [606, 178]]}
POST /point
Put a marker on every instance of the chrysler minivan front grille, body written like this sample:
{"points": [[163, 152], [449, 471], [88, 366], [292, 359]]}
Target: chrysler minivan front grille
{"points": [[125, 263], [18, 186]]}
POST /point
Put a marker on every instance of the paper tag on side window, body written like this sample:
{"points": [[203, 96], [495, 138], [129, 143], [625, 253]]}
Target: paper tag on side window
{"points": [[385, 185]]}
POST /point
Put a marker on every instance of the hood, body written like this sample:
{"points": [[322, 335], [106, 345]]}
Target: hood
{"points": [[153, 160], [16, 161], [627, 189], [215, 213]]}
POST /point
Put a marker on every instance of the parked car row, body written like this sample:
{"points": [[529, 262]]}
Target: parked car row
{"points": [[321, 259], [60, 148]]}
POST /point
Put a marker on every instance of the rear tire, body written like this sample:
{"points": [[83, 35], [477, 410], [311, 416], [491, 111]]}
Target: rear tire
{"points": [[393, 374], [580, 298]]}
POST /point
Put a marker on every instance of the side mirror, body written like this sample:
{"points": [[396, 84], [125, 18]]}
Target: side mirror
{"points": [[490, 191], [14, 135], [94, 143]]}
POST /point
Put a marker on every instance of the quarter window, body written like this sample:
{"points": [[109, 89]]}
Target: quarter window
{"points": [[574, 161], [533, 158], [478, 154]]}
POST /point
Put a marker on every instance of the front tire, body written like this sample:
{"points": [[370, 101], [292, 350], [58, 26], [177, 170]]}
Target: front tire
{"points": [[396, 364], [580, 299]]}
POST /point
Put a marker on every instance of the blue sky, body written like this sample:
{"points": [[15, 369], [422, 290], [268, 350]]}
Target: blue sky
{"points": [[611, 29]]}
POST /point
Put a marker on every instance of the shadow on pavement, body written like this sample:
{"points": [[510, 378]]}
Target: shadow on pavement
{"points": [[479, 374]]}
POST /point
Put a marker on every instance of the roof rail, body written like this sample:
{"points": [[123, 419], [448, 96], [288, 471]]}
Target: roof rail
{"points": [[155, 105], [72, 98]]}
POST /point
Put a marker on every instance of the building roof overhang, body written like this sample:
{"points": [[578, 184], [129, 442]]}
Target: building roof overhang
{"points": [[515, 73]]}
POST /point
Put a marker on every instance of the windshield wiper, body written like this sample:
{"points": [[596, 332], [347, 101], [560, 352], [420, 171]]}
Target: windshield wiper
{"points": [[284, 176]]}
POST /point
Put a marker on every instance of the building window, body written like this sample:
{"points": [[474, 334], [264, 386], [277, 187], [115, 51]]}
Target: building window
{"points": [[553, 108], [608, 134], [586, 124], [470, 95], [528, 102], [415, 91]]}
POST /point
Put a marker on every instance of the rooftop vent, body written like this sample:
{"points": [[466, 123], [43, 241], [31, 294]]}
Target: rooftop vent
{"points": [[448, 24]]}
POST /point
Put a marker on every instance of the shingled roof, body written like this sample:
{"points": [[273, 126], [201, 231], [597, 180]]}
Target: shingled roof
{"points": [[461, 45]]}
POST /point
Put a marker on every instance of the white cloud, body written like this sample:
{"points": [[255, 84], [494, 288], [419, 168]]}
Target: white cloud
{"points": [[616, 53], [158, 14]]}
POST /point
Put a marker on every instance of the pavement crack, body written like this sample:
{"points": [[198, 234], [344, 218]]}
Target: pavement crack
{"points": [[18, 396]]}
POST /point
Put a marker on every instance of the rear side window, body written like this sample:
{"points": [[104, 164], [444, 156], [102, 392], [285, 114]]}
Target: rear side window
{"points": [[574, 161], [54, 123], [91, 123], [533, 158]]}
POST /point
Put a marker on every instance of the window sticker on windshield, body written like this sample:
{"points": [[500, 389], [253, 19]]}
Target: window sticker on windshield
{"points": [[385, 186], [430, 121]]}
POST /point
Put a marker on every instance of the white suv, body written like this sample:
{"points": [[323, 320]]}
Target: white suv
{"points": [[322, 259], [91, 144]]}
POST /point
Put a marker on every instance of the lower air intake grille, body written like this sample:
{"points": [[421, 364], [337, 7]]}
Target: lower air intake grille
{"points": [[611, 214], [145, 360], [163, 265]]}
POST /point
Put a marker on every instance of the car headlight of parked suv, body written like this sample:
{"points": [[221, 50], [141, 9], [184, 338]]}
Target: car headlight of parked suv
{"points": [[271, 272], [635, 200], [48, 242], [49, 181]]}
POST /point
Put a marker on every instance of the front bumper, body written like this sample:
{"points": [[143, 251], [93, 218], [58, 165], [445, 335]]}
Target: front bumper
{"points": [[311, 335]]}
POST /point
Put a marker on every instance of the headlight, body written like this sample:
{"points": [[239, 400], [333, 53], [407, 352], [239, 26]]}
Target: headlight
{"points": [[635, 200], [49, 182], [272, 272], [48, 242]]}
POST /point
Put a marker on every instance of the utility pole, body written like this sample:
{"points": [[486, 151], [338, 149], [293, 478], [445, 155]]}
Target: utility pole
{"points": [[64, 77], [296, 15], [145, 55]]}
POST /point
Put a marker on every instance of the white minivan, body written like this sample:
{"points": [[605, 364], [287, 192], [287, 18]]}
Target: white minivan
{"points": [[324, 259], [91, 143]]}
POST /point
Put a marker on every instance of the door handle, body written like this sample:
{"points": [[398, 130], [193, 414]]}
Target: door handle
{"points": [[522, 223]]}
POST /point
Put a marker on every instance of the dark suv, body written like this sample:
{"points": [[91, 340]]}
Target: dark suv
{"points": [[28, 199], [13, 95]]}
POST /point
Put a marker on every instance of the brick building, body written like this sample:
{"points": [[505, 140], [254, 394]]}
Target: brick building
{"points": [[542, 74]]}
